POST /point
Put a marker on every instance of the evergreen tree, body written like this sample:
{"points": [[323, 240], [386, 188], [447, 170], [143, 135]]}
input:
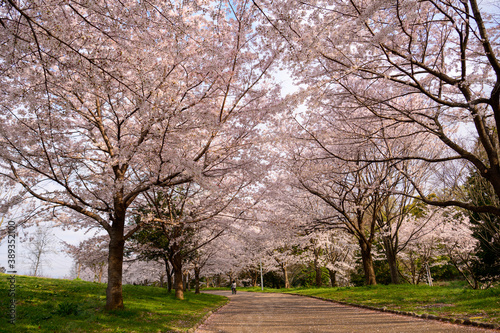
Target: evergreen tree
{"points": [[486, 227]]}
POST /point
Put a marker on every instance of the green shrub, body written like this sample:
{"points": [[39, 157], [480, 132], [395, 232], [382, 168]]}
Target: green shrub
{"points": [[67, 309]]}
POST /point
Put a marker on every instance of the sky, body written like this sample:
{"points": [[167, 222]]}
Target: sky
{"points": [[55, 265]]}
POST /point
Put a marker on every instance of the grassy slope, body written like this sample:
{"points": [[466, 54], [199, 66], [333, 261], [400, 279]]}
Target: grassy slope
{"points": [[50, 305], [454, 301]]}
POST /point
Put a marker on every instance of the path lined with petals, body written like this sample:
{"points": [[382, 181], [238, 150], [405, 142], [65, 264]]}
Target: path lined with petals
{"points": [[269, 312]]}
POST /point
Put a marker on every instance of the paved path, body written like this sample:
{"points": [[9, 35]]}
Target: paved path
{"points": [[262, 312]]}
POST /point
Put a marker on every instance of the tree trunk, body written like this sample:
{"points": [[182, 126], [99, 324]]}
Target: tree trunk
{"points": [[78, 270], [169, 275], [317, 269], [114, 296], [197, 280], [319, 281], [285, 275], [393, 265], [333, 277], [101, 272], [162, 280], [390, 254], [366, 257], [413, 269], [38, 255], [178, 285], [429, 277], [176, 262], [230, 277]]}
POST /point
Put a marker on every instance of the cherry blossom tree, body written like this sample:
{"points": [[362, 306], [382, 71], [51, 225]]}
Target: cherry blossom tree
{"points": [[339, 256], [298, 228], [227, 257], [139, 95], [182, 223], [283, 250], [143, 272], [361, 189], [230, 259], [391, 216], [288, 256], [17, 206], [460, 247], [91, 254], [202, 258], [354, 196], [431, 67], [322, 248], [436, 236]]}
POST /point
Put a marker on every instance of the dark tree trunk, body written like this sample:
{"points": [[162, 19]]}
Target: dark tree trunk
{"points": [[319, 281], [176, 262], [393, 265], [366, 257], [333, 277], [317, 269], [114, 295], [390, 254]]}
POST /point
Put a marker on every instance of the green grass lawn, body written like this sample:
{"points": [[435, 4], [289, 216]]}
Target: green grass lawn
{"points": [[51, 305], [453, 301]]}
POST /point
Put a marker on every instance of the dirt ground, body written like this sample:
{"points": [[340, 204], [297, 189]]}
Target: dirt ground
{"points": [[263, 312]]}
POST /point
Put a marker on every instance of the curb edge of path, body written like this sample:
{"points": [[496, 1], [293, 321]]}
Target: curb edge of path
{"points": [[461, 322], [205, 317]]}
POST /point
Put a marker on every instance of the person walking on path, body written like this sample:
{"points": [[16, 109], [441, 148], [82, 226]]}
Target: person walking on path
{"points": [[233, 287]]}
